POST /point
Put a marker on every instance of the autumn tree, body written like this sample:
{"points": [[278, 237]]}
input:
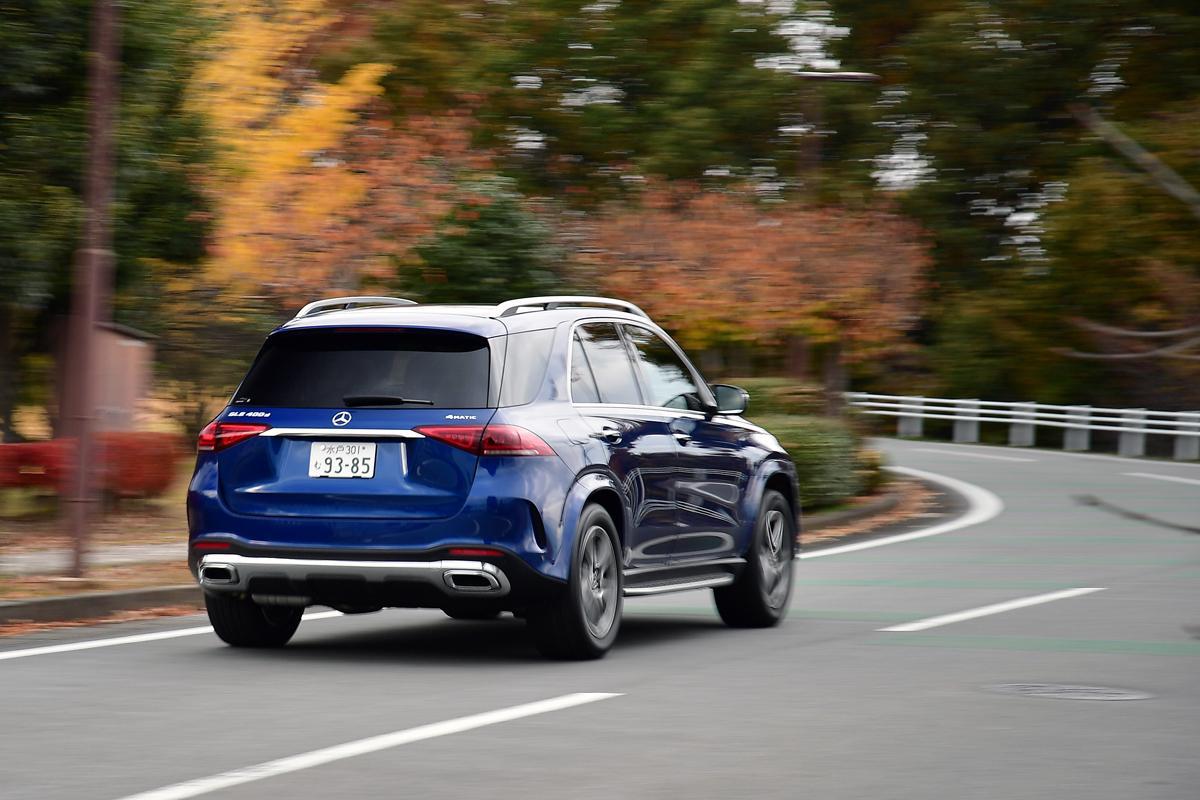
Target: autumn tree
{"points": [[720, 268]]}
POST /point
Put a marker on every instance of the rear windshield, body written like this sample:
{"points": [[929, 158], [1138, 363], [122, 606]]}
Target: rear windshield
{"points": [[350, 368]]}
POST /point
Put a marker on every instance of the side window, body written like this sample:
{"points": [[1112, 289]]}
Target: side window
{"points": [[667, 379], [583, 385], [610, 362]]}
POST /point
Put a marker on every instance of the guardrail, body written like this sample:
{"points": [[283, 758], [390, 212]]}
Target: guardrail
{"points": [[1077, 422]]}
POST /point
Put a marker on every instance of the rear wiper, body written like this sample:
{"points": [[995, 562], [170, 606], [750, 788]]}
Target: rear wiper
{"points": [[355, 400]]}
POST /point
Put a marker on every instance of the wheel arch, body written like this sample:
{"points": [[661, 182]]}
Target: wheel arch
{"points": [[594, 486]]}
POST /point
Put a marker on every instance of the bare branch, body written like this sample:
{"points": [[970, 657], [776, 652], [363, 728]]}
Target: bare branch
{"points": [[1110, 330], [1167, 179]]}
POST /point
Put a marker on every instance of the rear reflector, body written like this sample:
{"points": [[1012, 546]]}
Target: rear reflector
{"points": [[475, 552], [220, 435], [210, 545], [489, 440]]}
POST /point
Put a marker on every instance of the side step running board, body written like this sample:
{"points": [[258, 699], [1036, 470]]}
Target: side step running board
{"points": [[665, 586]]}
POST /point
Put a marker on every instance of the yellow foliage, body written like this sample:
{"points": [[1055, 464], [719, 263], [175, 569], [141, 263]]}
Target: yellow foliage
{"points": [[276, 126]]}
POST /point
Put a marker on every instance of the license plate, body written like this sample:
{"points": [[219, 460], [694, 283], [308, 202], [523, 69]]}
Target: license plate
{"points": [[341, 460]]}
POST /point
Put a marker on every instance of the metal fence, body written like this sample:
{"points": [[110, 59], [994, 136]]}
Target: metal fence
{"points": [[1132, 425]]}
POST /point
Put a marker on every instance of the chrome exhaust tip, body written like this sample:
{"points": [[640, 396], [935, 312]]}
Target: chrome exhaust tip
{"points": [[217, 575], [471, 580]]}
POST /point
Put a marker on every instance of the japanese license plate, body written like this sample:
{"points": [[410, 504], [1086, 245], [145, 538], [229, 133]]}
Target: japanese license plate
{"points": [[341, 460]]}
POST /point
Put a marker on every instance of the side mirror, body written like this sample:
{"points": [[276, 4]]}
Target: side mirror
{"points": [[730, 399]]}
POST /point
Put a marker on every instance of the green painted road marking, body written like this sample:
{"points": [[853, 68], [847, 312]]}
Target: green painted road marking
{"points": [[932, 584], [1050, 559], [1035, 644], [805, 613]]}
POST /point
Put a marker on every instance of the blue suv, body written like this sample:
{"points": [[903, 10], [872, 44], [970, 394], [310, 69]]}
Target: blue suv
{"points": [[547, 456]]}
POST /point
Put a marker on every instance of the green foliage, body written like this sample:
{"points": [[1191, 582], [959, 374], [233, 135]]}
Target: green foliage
{"points": [[602, 91], [771, 397], [43, 137], [489, 247], [826, 454]]}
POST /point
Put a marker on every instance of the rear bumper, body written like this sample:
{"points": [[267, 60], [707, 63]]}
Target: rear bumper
{"points": [[456, 578]]}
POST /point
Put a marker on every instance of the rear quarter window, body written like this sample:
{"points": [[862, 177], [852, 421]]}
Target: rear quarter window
{"points": [[526, 356], [320, 368]]}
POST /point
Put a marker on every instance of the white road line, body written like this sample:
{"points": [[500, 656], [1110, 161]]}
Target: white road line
{"points": [[92, 644], [982, 506], [1045, 451], [373, 744], [1158, 477], [968, 454], [984, 611]]}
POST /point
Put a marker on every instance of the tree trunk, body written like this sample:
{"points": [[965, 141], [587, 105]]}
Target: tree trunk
{"points": [[835, 379], [9, 378], [798, 356]]}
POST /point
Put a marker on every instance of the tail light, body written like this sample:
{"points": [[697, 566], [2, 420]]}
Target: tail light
{"points": [[220, 435], [489, 440]]}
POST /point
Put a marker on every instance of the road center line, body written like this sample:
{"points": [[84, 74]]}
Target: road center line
{"points": [[1157, 477], [372, 744], [982, 506], [92, 644], [984, 611], [966, 454]]}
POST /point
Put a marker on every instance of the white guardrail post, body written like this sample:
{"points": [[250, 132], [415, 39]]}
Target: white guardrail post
{"points": [[966, 430], [1132, 444], [1021, 433], [911, 426], [1187, 448], [1077, 439]]}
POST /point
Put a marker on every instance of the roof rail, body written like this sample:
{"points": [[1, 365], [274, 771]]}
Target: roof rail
{"points": [[511, 307], [334, 303]]}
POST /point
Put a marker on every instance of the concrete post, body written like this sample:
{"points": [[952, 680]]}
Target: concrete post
{"points": [[966, 431], [1077, 439], [1021, 434], [1132, 445], [1187, 448], [911, 426]]}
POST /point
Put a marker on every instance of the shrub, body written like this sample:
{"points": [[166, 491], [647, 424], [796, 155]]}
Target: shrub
{"points": [[776, 396], [826, 454]]}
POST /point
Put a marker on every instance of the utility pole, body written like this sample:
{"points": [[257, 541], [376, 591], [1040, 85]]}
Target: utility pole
{"points": [[92, 273]]}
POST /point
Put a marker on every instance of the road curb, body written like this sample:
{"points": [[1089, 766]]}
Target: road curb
{"points": [[98, 604]]}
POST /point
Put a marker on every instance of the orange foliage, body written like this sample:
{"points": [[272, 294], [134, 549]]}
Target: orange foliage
{"points": [[718, 267], [304, 249]]}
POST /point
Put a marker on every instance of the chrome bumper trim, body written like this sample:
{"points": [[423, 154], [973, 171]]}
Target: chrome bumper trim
{"points": [[442, 574]]}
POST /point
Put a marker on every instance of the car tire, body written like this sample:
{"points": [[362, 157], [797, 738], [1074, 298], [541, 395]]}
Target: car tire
{"points": [[244, 623], [471, 612], [583, 620], [759, 597]]}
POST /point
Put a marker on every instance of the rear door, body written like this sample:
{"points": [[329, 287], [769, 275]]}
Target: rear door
{"points": [[637, 440], [712, 457], [342, 404]]}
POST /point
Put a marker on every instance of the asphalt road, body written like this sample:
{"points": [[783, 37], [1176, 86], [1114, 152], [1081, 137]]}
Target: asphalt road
{"points": [[827, 705]]}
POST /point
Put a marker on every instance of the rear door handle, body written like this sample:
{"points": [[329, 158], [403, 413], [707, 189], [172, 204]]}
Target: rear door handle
{"points": [[608, 433]]}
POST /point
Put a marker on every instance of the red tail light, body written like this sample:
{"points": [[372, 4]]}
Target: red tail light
{"points": [[220, 435], [489, 440]]}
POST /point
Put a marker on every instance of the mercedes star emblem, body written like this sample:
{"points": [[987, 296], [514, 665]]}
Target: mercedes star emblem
{"points": [[341, 418]]}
